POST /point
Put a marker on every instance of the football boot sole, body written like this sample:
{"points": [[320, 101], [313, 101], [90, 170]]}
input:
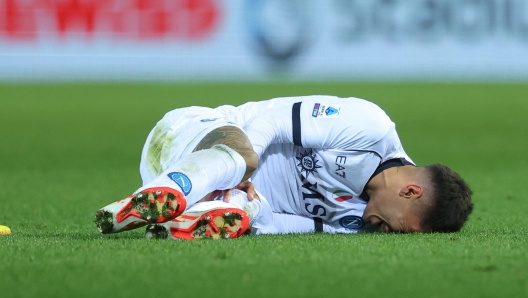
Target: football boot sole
{"points": [[215, 224], [151, 205]]}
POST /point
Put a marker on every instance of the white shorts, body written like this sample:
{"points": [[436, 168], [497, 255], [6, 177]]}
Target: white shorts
{"points": [[176, 135]]}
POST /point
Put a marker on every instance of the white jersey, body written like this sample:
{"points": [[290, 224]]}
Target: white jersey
{"points": [[317, 153]]}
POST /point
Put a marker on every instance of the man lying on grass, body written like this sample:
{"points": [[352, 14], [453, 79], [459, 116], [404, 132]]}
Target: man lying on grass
{"points": [[320, 163]]}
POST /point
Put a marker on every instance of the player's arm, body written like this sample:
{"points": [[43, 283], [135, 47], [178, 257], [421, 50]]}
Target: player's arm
{"points": [[320, 122], [296, 224]]}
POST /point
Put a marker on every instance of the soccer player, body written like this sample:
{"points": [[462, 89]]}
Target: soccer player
{"points": [[332, 164]]}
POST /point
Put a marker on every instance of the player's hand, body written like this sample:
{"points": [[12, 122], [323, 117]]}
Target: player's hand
{"points": [[246, 186]]}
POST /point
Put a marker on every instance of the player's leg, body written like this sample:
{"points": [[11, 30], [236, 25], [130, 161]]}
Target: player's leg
{"points": [[183, 131], [184, 183], [235, 138]]}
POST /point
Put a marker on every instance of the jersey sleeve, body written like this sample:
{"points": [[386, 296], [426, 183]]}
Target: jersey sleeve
{"points": [[296, 224], [324, 122]]}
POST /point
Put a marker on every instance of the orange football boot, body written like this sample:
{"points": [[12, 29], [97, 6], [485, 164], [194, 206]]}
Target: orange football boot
{"points": [[148, 206], [212, 220]]}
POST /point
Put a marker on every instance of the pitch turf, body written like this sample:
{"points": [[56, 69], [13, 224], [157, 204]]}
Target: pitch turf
{"points": [[68, 149]]}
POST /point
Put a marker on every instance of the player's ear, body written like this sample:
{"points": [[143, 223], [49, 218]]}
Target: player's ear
{"points": [[411, 191]]}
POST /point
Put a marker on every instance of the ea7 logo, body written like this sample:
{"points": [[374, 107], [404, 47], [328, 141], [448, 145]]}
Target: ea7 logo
{"points": [[340, 164]]}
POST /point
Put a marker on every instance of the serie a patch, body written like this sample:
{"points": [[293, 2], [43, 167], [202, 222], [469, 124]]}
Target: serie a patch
{"points": [[325, 110], [182, 180]]}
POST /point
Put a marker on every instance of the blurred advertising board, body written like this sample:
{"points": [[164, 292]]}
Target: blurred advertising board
{"points": [[263, 39]]}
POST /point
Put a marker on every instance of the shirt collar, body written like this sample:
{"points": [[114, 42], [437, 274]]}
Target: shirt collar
{"points": [[390, 163]]}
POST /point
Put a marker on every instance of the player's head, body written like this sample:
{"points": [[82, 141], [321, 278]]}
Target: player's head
{"points": [[420, 199], [450, 200]]}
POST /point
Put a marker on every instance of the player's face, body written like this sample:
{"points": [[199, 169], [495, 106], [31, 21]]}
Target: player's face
{"points": [[393, 214]]}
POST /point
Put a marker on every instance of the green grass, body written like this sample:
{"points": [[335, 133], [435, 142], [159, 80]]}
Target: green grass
{"points": [[68, 149]]}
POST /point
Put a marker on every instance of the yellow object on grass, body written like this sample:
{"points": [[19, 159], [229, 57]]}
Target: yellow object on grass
{"points": [[4, 230]]}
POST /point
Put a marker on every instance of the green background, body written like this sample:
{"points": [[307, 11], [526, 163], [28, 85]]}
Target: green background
{"points": [[68, 149]]}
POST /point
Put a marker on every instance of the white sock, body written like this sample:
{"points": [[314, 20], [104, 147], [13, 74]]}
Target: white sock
{"points": [[202, 172]]}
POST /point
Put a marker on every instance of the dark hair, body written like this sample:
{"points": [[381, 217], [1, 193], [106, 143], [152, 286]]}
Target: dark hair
{"points": [[451, 198]]}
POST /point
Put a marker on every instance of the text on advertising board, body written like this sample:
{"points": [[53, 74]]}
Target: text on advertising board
{"points": [[179, 19]]}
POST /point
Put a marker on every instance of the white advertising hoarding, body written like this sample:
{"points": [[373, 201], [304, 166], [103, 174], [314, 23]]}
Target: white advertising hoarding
{"points": [[263, 39]]}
